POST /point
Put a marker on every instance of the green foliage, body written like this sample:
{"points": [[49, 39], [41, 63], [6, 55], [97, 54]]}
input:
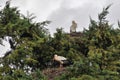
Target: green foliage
{"points": [[37, 75], [96, 54], [102, 60], [86, 77], [102, 42], [25, 36]]}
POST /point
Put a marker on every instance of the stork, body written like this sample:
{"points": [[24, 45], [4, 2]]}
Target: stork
{"points": [[62, 60], [73, 27]]}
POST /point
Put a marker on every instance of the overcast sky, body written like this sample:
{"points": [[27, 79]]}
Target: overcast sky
{"points": [[62, 12]]}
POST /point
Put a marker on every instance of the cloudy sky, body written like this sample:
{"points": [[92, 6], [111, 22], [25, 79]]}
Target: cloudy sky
{"points": [[62, 12]]}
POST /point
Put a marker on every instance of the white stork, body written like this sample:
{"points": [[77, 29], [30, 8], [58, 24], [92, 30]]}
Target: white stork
{"points": [[59, 59]]}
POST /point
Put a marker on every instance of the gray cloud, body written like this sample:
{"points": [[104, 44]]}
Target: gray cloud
{"points": [[114, 13], [63, 16], [40, 8]]}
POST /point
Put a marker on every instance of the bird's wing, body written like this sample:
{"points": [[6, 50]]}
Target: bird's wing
{"points": [[61, 58]]}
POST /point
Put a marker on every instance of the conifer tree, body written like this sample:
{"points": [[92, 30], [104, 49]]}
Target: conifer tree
{"points": [[23, 35]]}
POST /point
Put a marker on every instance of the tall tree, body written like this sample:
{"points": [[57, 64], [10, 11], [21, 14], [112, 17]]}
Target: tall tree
{"points": [[24, 35], [101, 43]]}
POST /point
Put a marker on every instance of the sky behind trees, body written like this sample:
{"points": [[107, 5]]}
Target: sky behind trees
{"points": [[62, 12]]}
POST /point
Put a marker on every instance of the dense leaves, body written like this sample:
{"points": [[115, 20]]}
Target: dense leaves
{"points": [[96, 54], [24, 36], [102, 61]]}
